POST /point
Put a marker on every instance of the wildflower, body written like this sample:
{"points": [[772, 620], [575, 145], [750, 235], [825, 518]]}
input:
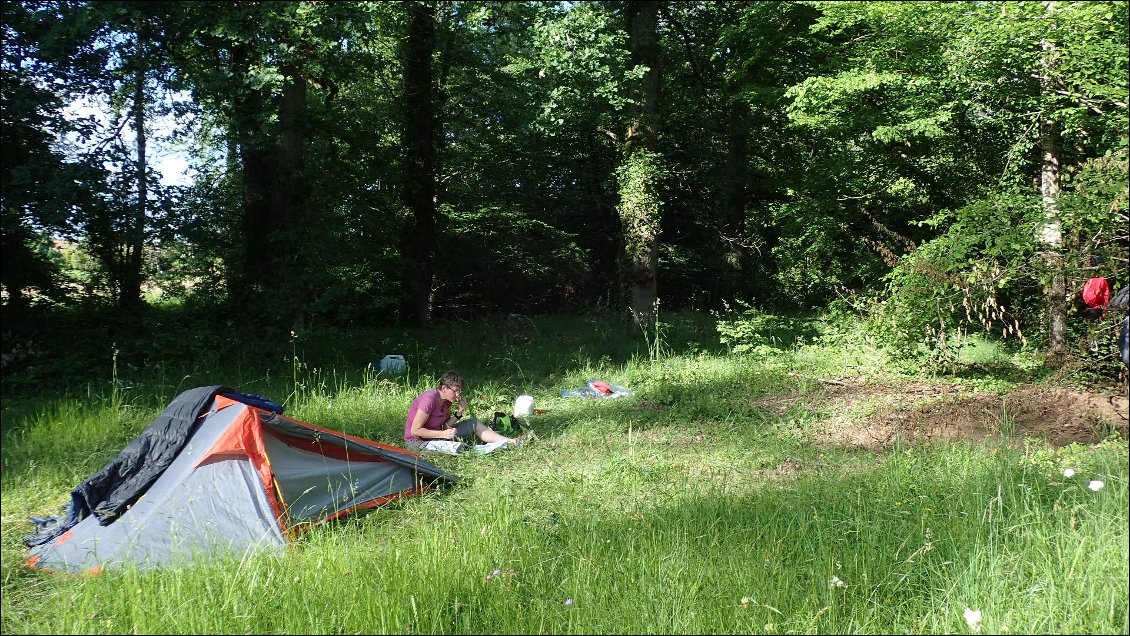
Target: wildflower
{"points": [[569, 602], [973, 618], [493, 574], [745, 601], [836, 582], [1067, 472], [1096, 485]]}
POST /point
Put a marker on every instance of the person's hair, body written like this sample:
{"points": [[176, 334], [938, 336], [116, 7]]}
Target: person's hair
{"points": [[451, 379]]}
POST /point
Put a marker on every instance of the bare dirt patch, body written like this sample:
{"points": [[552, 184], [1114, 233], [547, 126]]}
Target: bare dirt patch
{"points": [[875, 416]]}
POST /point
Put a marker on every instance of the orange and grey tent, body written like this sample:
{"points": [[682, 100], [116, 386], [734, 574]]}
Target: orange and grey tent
{"points": [[221, 473]]}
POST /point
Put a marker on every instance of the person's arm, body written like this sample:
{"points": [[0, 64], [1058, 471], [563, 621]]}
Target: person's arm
{"points": [[419, 432], [456, 415]]}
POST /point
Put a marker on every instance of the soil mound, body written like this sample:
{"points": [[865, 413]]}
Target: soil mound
{"points": [[875, 416]]}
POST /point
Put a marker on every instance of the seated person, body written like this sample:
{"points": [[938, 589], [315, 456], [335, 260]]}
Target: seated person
{"points": [[430, 417]]}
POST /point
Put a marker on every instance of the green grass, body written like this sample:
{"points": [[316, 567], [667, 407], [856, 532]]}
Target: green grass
{"points": [[682, 509]]}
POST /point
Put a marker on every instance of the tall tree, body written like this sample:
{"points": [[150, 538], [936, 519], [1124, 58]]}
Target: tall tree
{"points": [[254, 274], [135, 76], [642, 171], [420, 163], [1050, 230], [257, 68], [134, 244], [732, 156], [1052, 75], [577, 76], [964, 117], [48, 183]]}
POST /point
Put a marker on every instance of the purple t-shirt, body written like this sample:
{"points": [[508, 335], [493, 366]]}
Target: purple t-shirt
{"points": [[437, 408]]}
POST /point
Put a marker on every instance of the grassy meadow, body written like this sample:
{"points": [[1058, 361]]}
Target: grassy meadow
{"points": [[688, 507]]}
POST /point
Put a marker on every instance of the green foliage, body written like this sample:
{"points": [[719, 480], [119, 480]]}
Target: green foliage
{"points": [[641, 177], [998, 58], [966, 100], [802, 148], [887, 148], [1094, 210], [1096, 222], [580, 52], [983, 275], [32, 266], [976, 277], [45, 181], [824, 103], [759, 333], [501, 259], [817, 256]]}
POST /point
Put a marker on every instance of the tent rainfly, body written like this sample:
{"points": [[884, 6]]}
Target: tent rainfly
{"points": [[221, 473]]}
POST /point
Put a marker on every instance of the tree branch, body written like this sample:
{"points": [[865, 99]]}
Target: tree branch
{"points": [[686, 38]]}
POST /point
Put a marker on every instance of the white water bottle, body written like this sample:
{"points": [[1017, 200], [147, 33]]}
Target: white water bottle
{"points": [[523, 406]]}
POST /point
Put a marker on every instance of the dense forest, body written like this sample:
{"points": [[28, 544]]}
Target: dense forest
{"points": [[930, 165]]}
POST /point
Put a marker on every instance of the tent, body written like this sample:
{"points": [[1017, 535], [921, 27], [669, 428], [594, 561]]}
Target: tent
{"points": [[221, 473]]}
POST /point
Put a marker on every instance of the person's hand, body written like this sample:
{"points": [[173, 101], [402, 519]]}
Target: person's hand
{"points": [[463, 407], [449, 433]]}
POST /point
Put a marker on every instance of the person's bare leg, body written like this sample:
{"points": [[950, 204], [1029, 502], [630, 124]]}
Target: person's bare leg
{"points": [[489, 435]]}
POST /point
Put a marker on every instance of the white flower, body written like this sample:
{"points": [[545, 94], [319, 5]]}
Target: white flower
{"points": [[1096, 485], [973, 617], [1067, 472], [836, 582]]}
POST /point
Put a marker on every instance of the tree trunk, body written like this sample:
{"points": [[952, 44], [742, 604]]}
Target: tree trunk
{"points": [[130, 282], [1050, 231], [416, 245], [289, 193], [641, 172], [255, 220], [731, 282]]}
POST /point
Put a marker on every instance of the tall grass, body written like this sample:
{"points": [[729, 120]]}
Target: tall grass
{"points": [[683, 509]]}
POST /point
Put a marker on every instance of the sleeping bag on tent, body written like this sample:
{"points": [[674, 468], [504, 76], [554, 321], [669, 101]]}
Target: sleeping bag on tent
{"points": [[221, 473]]}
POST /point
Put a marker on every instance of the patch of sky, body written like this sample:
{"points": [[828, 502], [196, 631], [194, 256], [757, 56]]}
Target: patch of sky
{"points": [[164, 148]]}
